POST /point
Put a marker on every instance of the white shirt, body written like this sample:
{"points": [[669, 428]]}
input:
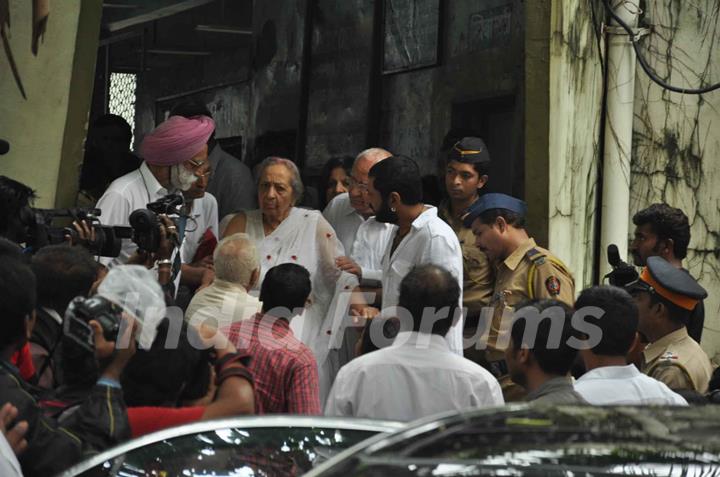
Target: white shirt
{"points": [[625, 385], [344, 219], [9, 465], [226, 302], [204, 216], [416, 376], [126, 194], [371, 241], [430, 241], [134, 191]]}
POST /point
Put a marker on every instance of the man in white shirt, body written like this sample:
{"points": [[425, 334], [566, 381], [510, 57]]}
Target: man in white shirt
{"points": [[421, 237], [175, 161], [348, 210], [418, 375], [609, 379]]}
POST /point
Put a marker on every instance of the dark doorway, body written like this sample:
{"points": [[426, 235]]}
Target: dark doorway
{"points": [[498, 122]]}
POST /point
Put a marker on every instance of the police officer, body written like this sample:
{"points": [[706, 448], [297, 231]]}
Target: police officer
{"points": [[523, 271], [466, 172], [666, 297], [664, 231]]}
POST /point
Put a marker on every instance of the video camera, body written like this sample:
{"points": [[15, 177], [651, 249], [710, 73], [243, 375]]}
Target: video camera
{"points": [[144, 228], [81, 310], [622, 272], [108, 239], [145, 223]]}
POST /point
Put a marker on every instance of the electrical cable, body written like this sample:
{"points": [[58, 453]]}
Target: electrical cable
{"points": [[646, 67]]}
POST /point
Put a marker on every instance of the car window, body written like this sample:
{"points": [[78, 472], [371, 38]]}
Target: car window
{"points": [[241, 452]]}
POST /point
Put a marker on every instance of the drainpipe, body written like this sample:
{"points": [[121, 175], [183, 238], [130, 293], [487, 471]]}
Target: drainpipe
{"points": [[615, 205]]}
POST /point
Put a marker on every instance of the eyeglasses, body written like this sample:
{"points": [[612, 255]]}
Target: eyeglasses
{"points": [[352, 182], [200, 168]]}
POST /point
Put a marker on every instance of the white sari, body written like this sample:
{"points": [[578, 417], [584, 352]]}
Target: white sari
{"points": [[306, 238]]}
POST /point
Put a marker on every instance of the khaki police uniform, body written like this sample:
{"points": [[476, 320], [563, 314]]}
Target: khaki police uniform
{"points": [[678, 361], [478, 279], [529, 272]]}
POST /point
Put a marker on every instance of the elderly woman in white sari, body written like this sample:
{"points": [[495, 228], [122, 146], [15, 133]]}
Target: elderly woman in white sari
{"points": [[284, 233]]}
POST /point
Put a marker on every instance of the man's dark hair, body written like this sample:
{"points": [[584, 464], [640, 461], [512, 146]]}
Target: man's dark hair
{"points": [[285, 286], [167, 376], [398, 174], [17, 299], [512, 218], [14, 196], [434, 288], [557, 360], [677, 314], [619, 322], [8, 248], [63, 273], [112, 120], [188, 109], [667, 223]]}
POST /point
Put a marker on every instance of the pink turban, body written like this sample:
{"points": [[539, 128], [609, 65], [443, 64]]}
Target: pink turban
{"points": [[176, 140]]}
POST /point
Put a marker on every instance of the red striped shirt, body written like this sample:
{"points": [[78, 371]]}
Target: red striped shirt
{"points": [[284, 369]]}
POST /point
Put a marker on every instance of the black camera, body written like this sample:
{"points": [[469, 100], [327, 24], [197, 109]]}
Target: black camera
{"points": [[622, 272], [81, 310], [145, 223], [107, 242]]}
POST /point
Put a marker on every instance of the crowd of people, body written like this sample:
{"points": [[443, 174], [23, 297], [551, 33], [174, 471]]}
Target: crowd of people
{"points": [[241, 300]]}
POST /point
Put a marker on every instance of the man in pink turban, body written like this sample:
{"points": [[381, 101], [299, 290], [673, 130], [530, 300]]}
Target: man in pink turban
{"points": [[175, 160]]}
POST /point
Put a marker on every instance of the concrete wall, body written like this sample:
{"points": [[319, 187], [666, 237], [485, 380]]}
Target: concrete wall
{"points": [[676, 145], [339, 80], [217, 81], [47, 130], [575, 115], [478, 63]]}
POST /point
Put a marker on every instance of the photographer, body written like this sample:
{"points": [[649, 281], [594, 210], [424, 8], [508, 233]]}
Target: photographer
{"points": [[175, 160], [62, 273], [98, 423], [15, 214]]}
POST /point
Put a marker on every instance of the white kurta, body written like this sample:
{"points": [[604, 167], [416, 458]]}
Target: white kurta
{"points": [[416, 376], [344, 219], [430, 241], [307, 239], [625, 386]]}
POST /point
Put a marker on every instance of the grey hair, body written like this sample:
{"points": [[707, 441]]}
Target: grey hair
{"points": [[295, 180], [373, 152], [235, 259]]}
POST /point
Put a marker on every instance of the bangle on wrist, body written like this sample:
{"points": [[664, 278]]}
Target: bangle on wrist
{"points": [[164, 261]]}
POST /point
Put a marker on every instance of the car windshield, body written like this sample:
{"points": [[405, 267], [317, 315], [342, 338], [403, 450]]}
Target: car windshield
{"points": [[241, 452]]}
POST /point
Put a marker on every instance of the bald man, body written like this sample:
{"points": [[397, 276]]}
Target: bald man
{"points": [[350, 214]]}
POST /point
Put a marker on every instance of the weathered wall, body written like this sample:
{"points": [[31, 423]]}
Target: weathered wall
{"points": [[339, 79], [676, 145], [218, 81], [48, 129], [278, 27], [481, 59], [576, 82]]}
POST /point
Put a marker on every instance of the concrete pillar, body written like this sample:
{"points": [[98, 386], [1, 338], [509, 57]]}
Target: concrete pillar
{"points": [[46, 131]]}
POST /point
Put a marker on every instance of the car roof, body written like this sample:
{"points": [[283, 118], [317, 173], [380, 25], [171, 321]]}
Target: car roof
{"points": [[248, 422], [682, 426]]}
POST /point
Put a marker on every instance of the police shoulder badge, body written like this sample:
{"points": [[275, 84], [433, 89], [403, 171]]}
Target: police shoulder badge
{"points": [[553, 285]]}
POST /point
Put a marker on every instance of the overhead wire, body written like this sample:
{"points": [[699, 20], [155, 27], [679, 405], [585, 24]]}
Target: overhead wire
{"points": [[634, 40]]}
